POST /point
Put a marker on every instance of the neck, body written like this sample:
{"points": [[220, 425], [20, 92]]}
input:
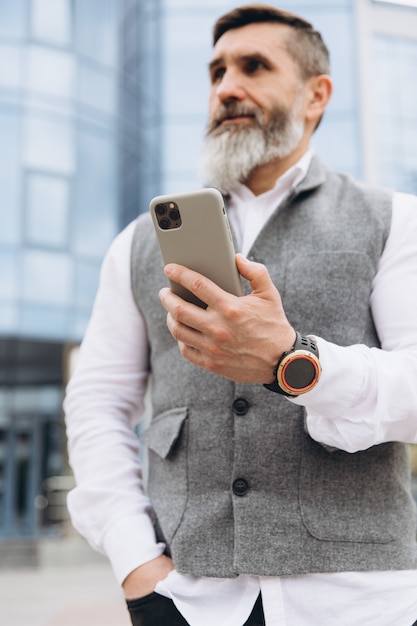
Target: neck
{"points": [[264, 177]]}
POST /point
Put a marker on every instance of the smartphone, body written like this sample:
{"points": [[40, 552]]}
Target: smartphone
{"points": [[193, 230]]}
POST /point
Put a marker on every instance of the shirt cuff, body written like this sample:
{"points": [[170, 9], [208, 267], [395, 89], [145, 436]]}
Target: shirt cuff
{"points": [[130, 543], [341, 382]]}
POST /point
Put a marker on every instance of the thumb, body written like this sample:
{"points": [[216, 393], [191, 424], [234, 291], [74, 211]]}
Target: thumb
{"points": [[255, 273]]}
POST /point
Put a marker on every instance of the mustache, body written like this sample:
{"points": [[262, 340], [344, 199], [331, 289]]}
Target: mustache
{"points": [[231, 110]]}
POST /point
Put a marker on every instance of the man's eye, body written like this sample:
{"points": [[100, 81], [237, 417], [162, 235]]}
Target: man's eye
{"points": [[217, 74], [253, 66]]}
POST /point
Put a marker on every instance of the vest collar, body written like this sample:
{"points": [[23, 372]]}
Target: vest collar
{"points": [[316, 176]]}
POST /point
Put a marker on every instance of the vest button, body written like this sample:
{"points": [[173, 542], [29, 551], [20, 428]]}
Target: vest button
{"points": [[240, 487], [240, 406]]}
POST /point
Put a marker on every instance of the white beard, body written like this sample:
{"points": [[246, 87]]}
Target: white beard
{"points": [[232, 153]]}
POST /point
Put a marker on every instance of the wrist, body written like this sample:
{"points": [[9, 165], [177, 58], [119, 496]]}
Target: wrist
{"points": [[286, 343], [298, 369], [143, 580]]}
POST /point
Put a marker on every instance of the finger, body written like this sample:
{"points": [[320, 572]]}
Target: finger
{"points": [[256, 274], [199, 285], [183, 333], [182, 315]]}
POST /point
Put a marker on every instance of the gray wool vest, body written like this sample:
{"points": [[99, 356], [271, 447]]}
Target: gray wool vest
{"points": [[237, 484]]}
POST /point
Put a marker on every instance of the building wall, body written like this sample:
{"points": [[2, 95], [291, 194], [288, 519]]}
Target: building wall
{"points": [[387, 45], [59, 155], [59, 209]]}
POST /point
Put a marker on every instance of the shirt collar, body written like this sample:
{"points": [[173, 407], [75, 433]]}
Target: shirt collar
{"points": [[285, 183]]}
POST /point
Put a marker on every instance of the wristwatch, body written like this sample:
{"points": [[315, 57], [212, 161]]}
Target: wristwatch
{"points": [[297, 370]]}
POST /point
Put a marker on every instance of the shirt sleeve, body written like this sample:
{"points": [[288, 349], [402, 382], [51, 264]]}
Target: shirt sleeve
{"points": [[368, 396], [104, 399]]}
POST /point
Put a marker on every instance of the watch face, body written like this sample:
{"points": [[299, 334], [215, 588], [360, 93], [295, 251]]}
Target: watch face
{"points": [[298, 372]]}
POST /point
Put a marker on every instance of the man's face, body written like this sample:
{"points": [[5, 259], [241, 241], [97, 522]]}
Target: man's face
{"points": [[251, 66], [256, 104]]}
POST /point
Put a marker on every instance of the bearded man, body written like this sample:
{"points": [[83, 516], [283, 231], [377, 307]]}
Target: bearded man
{"points": [[279, 485]]}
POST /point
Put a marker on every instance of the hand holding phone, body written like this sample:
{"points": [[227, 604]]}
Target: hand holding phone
{"points": [[193, 230]]}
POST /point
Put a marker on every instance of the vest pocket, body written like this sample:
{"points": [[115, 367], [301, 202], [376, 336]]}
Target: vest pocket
{"points": [[166, 439], [344, 497]]}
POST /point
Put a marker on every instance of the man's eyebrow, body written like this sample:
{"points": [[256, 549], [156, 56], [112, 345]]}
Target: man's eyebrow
{"points": [[242, 58], [256, 56], [215, 63]]}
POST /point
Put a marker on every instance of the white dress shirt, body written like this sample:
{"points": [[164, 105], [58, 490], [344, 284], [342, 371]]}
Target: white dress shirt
{"points": [[365, 396]]}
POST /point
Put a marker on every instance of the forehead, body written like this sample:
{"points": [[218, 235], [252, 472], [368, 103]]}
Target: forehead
{"points": [[267, 39]]}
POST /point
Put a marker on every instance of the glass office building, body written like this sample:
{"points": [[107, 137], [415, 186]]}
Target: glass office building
{"points": [[60, 148], [102, 106]]}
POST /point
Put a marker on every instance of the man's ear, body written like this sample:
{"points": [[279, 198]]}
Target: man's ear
{"points": [[318, 92]]}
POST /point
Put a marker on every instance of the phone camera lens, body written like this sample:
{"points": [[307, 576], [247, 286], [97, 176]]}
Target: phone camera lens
{"points": [[165, 223], [160, 209], [174, 214]]}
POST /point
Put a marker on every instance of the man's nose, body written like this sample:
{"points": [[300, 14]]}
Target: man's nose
{"points": [[230, 87]]}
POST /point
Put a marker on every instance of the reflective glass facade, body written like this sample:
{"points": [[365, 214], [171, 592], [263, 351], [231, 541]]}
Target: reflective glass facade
{"points": [[395, 106], [60, 152], [59, 155]]}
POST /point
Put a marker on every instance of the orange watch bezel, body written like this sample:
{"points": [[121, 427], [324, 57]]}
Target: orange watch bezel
{"points": [[288, 360]]}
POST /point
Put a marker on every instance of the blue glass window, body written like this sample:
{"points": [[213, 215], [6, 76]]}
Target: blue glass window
{"points": [[9, 317], [395, 111], [186, 79], [96, 23], [85, 283], [183, 143], [96, 188], [46, 220], [9, 283], [335, 131], [51, 21], [407, 3], [10, 66], [50, 72], [49, 144], [10, 178], [47, 278], [12, 18], [97, 88], [44, 321]]}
